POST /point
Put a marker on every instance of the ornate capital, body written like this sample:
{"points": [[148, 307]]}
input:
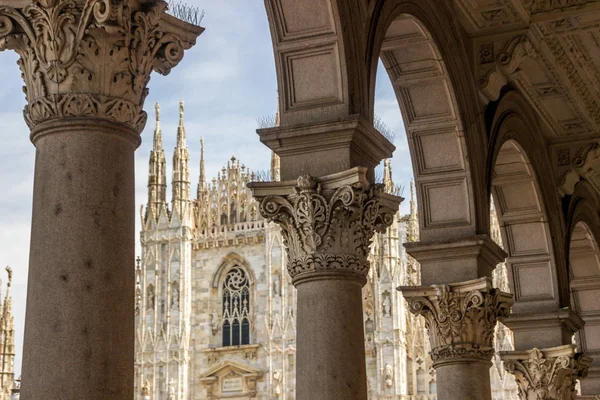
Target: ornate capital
{"points": [[548, 374], [328, 223], [460, 317], [92, 58]]}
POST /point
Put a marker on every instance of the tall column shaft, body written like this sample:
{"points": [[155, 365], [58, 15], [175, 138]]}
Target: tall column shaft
{"points": [[330, 346], [80, 304], [327, 224], [468, 380]]}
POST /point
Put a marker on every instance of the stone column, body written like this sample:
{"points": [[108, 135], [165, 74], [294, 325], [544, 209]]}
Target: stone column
{"points": [[327, 224], [547, 374], [460, 318], [86, 65]]}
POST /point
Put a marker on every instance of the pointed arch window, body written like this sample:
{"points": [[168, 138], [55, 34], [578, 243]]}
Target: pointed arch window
{"points": [[236, 308]]}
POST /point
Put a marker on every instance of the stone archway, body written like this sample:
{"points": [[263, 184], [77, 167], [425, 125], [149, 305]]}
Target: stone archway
{"points": [[425, 59], [532, 225], [584, 276], [531, 221], [525, 231]]}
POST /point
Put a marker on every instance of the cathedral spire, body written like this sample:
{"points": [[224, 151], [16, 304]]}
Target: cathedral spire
{"points": [[157, 176], [181, 167], [413, 224], [388, 182], [157, 131], [202, 180], [275, 167], [7, 345], [181, 139]]}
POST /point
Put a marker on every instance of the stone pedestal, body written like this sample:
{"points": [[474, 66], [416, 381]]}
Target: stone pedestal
{"points": [[86, 65], [460, 318], [547, 374], [327, 224]]}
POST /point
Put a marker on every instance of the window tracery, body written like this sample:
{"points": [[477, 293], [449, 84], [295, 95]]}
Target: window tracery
{"points": [[236, 308]]}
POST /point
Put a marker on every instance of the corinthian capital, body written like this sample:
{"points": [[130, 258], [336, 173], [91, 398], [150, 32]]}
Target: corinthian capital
{"points": [[547, 374], [92, 58], [460, 317], [327, 223]]}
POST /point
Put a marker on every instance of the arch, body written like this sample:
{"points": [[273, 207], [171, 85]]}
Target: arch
{"points": [[229, 261], [584, 264], [320, 78], [528, 208], [425, 59]]}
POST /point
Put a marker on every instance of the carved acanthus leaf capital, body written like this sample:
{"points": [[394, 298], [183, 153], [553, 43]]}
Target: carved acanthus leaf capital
{"points": [[547, 374], [327, 224], [460, 318], [92, 58]]}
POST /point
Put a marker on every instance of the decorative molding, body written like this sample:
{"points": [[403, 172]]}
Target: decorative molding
{"points": [[460, 318], [327, 224], [92, 58], [548, 374], [541, 6]]}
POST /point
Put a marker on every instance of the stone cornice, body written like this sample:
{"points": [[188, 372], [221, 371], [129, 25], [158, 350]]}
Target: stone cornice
{"points": [[327, 223], [92, 58]]}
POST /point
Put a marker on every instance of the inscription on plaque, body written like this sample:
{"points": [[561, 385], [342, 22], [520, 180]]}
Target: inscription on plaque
{"points": [[232, 385]]}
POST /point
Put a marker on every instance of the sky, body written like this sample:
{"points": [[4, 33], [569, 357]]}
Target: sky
{"points": [[227, 81]]}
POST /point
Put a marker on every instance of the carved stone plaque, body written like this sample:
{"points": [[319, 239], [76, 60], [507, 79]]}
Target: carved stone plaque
{"points": [[232, 385]]}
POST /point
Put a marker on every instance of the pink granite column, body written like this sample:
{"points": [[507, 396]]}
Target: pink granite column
{"points": [[86, 64], [80, 303], [327, 224]]}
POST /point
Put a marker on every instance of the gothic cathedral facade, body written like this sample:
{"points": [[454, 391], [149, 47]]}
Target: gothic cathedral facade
{"points": [[215, 307]]}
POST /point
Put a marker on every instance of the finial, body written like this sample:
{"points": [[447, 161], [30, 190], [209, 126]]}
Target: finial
{"points": [[9, 271], [181, 129], [157, 132]]}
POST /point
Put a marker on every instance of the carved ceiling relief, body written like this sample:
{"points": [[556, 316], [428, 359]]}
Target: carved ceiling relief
{"points": [[575, 163], [492, 15], [92, 58], [540, 6], [551, 56], [549, 79]]}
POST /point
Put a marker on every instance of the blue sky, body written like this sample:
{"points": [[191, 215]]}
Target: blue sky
{"points": [[227, 81]]}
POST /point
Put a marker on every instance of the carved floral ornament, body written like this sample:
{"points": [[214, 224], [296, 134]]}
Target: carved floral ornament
{"points": [[460, 318], [92, 58], [585, 165], [547, 374], [327, 229], [539, 6]]}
